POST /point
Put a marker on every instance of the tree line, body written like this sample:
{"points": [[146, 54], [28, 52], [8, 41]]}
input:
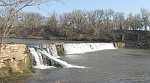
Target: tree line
{"points": [[78, 24], [9, 15]]}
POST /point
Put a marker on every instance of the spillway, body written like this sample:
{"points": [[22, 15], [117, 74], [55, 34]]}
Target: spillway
{"points": [[50, 53], [79, 48]]}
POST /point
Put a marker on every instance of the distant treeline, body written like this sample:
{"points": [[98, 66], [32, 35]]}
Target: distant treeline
{"points": [[79, 24]]}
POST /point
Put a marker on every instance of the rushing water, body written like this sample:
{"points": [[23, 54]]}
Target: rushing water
{"points": [[79, 48], [70, 48], [104, 66], [38, 58], [51, 53]]}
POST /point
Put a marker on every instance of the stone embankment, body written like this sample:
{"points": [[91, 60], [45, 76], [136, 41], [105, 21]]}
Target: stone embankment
{"points": [[14, 59]]}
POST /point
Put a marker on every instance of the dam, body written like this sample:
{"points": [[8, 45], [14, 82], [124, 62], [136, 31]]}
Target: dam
{"points": [[46, 54], [69, 48]]}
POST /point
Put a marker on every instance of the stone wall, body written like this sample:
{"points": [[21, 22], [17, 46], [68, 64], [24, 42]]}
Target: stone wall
{"points": [[14, 59]]}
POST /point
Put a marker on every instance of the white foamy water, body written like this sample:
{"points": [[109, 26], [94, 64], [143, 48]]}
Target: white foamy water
{"points": [[38, 53], [44, 67], [38, 58], [61, 62], [78, 48]]}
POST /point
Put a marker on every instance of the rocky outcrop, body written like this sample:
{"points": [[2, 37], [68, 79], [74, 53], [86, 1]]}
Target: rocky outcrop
{"points": [[14, 59]]}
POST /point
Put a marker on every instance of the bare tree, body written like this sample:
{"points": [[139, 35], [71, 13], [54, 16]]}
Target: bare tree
{"points": [[52, 21], [145, 18], [9, 12], [31, 20]]}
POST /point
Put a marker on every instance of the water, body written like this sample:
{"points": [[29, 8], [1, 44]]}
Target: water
{"points": [[70, 48], [51, 53], [107, 66], [38, 59], [104, 66], [61, 62], [78, 48]]}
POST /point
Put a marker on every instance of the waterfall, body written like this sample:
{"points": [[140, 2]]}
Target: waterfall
{"points": [[61, 62], [38, 58], [78, 48], [51, 53]]}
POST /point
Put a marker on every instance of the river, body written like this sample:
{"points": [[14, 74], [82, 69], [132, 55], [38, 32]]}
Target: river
{"points": [[107, 66]]}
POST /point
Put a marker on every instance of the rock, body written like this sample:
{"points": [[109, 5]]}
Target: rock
{"points": [[14, 57]]}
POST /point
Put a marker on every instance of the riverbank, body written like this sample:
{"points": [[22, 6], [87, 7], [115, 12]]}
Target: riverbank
{"points": [[14, 60]]}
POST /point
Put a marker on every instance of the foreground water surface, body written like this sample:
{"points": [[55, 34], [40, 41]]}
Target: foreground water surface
{"points": [[108, 66]]}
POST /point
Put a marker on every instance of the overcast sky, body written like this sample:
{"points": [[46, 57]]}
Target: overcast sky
{"points": [[125, 6]]}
